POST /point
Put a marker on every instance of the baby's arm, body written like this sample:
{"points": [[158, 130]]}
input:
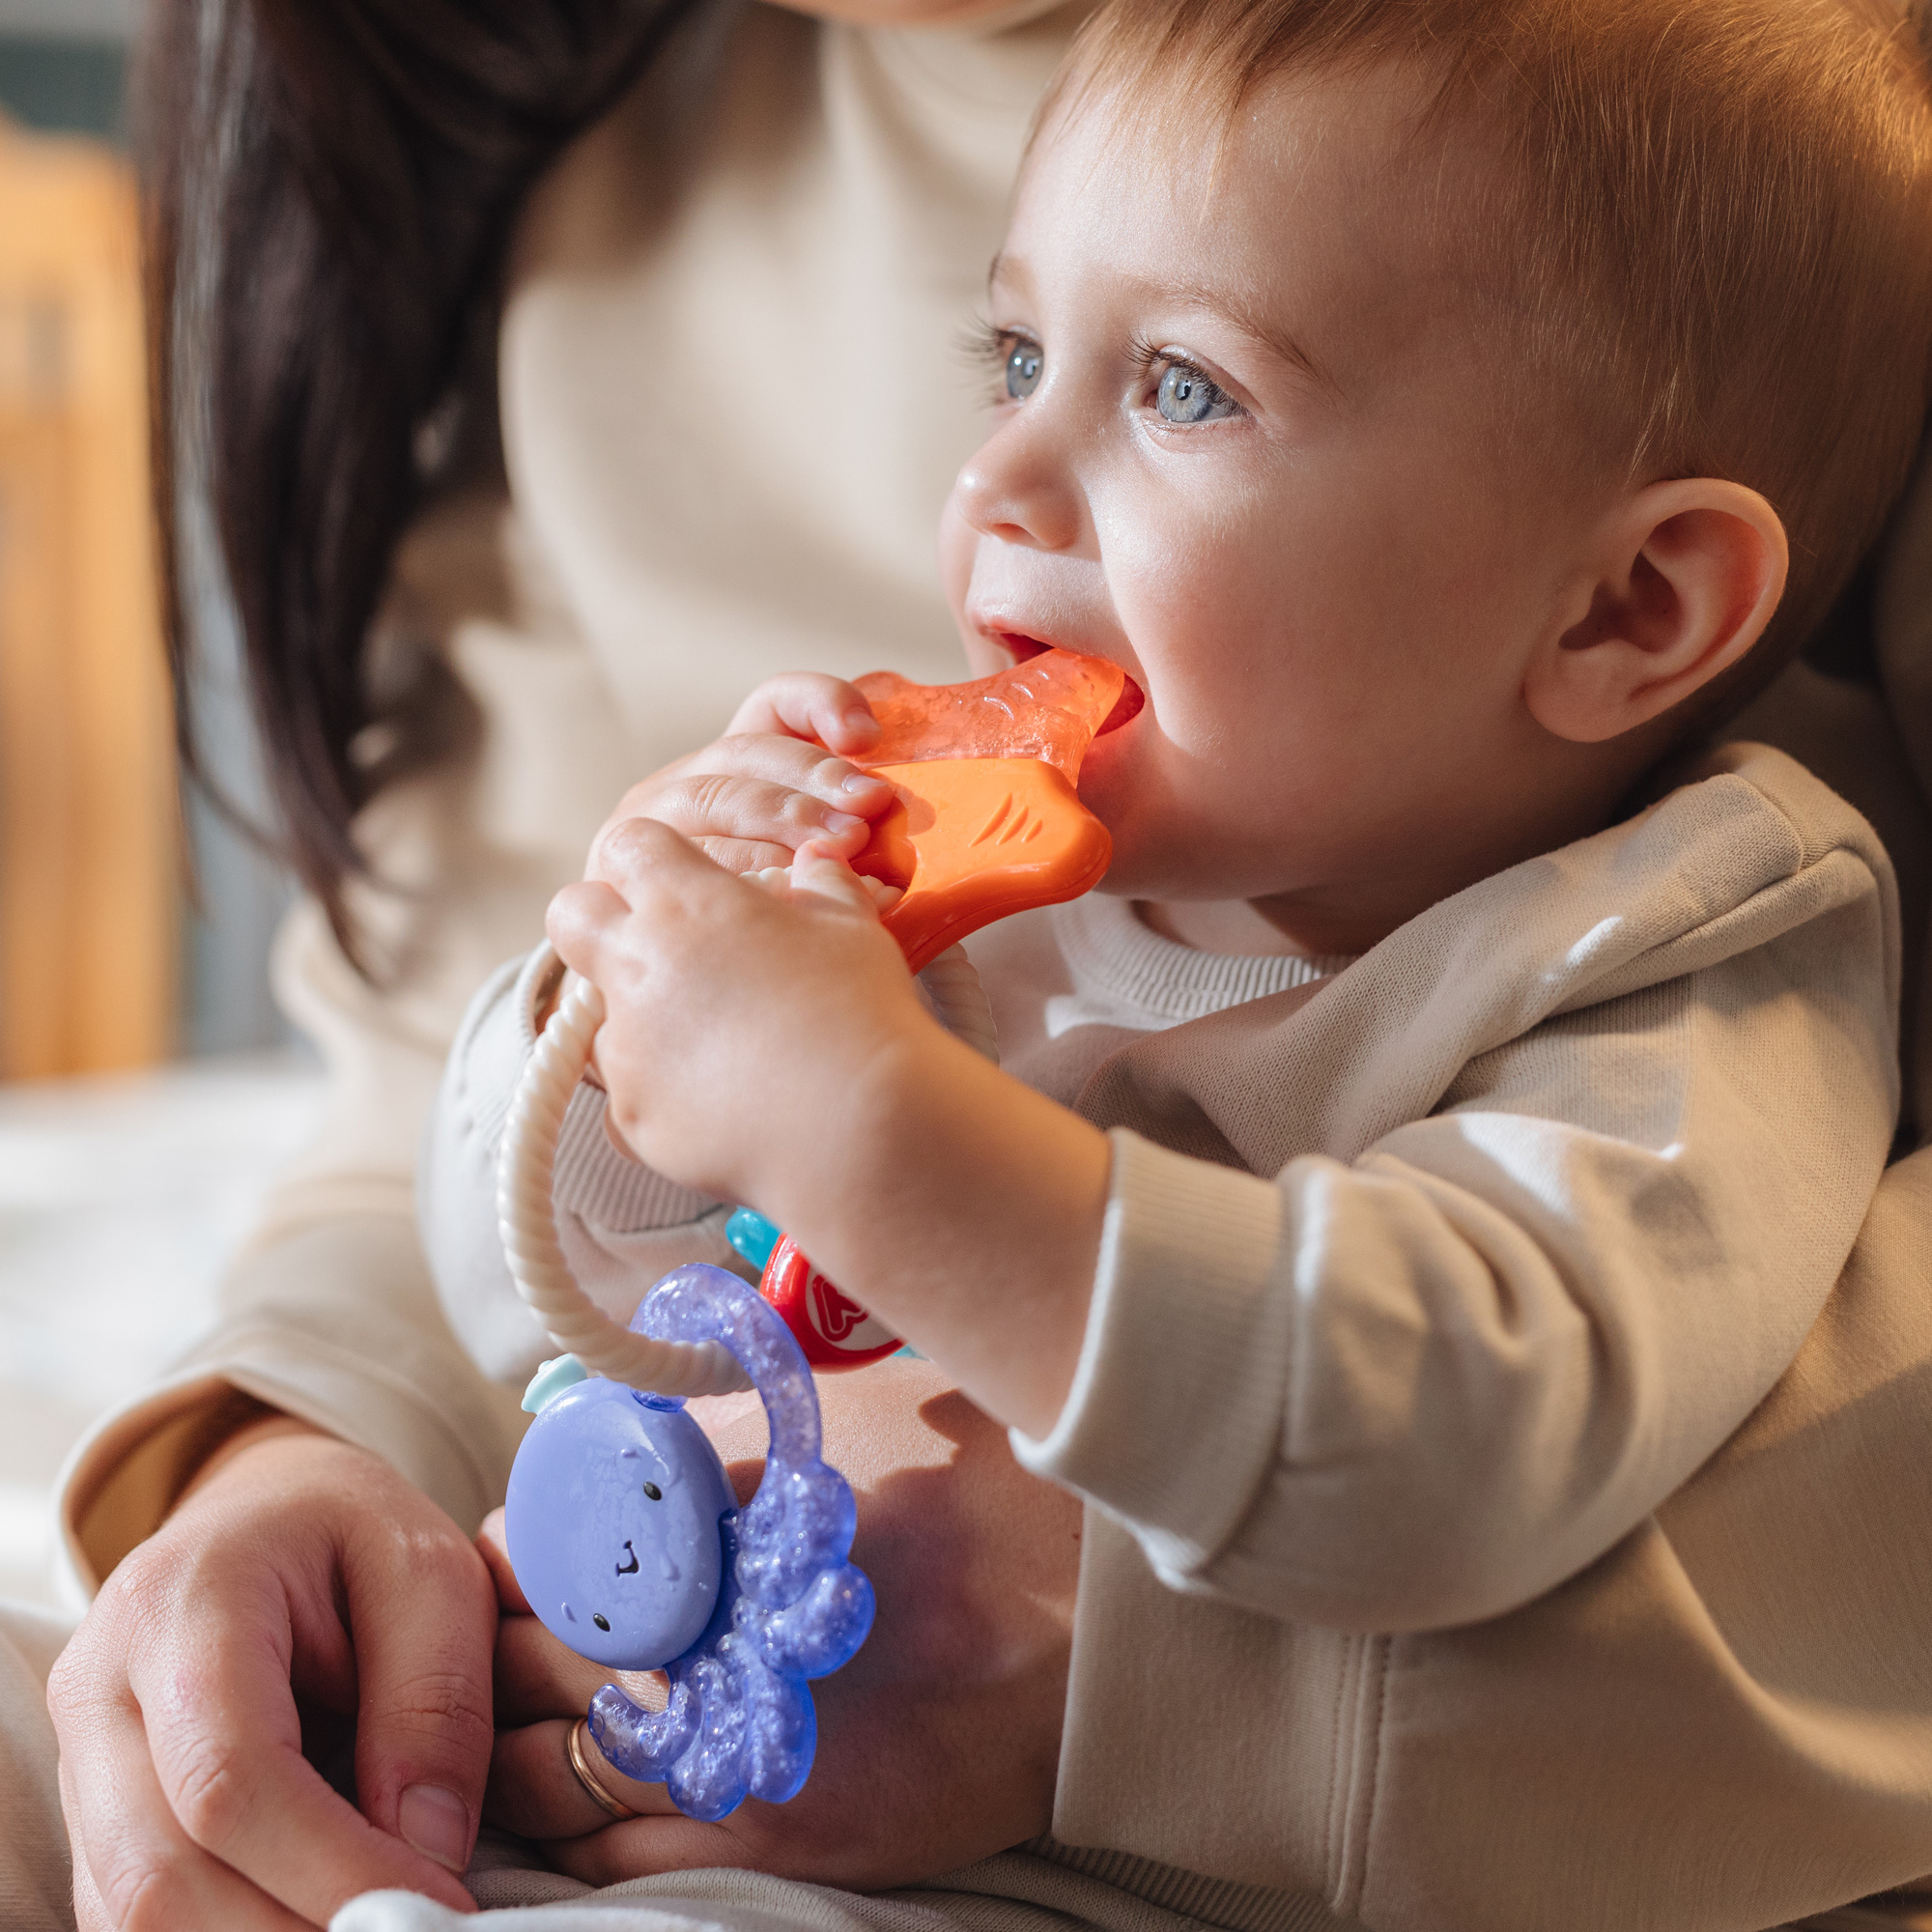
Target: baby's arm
{"points": [[772, 1049]]}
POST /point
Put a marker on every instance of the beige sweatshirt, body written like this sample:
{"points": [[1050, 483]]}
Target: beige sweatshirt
{"points": [[1513, 1223], [1426, 1281], [732, 405]]}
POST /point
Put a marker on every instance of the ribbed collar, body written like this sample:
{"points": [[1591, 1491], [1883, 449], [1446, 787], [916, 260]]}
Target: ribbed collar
{"points": [[1152, 981]]}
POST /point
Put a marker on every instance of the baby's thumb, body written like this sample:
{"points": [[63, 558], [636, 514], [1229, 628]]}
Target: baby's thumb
{"points": [[817, 869]]}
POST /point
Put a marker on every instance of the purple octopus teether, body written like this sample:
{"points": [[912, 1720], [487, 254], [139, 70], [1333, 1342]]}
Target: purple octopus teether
{"points": [[624, 1535]]}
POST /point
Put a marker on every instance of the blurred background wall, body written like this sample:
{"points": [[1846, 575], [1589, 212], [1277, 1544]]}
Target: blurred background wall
{"points": [[122, 1192], [104, 963]]}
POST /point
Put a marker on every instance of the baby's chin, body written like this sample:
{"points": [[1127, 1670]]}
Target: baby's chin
{"points": [[1113, 788], [1161, 850]]}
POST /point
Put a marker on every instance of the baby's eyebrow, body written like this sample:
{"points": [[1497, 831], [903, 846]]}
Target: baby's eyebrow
{"points": [[1249, 318], [1001, 267]]}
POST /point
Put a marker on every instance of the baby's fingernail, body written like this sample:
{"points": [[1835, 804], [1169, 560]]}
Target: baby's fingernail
{"points": [[860, 781], [838, 823], [437, 1823]]}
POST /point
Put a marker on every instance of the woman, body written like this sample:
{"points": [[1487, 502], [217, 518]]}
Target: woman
{"points": [[731, 403]]}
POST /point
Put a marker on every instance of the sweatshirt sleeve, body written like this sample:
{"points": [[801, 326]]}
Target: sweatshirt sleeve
{"points": [[330, 1312], [1423, 1386]]}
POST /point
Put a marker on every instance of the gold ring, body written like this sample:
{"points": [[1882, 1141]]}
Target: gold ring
{"points": [[577, 1747]]}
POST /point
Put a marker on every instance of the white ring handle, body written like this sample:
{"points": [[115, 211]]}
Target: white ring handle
{"points": [[528, 1225]]}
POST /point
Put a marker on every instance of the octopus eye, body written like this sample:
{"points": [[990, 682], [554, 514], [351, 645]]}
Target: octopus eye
{"points": [[602, 1622], [656, 1495]]}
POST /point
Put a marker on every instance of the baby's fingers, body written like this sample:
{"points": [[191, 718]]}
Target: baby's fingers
{"points": [[744, 822], [650, 886], [821, 870], [807, 704]]}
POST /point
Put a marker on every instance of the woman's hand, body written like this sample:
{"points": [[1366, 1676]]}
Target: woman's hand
{"points": [[304, 1588], [752, 798], [937, 1744]]}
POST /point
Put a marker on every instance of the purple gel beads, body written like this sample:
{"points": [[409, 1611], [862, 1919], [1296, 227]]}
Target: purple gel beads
{"points": [[741, 1608]]}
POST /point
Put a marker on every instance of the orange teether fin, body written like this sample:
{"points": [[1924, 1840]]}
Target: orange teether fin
{"points": [[976, 840], [988, 822]]}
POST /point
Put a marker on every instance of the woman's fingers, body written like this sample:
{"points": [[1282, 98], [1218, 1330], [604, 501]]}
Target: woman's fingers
{"points": [[424, 1614], [807, 704], [134, 1866], [225, 1742], [537, 1677], [494, 1551], [670, 1842], [175, 1702], [535, 1792]]}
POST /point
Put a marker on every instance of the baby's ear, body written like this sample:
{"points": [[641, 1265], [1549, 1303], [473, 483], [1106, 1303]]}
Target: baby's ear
{"points": [[1685, 578]]}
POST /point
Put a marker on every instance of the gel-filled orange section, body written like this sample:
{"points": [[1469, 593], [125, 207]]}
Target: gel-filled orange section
{"points": [[1048, 707], [974, 839]]}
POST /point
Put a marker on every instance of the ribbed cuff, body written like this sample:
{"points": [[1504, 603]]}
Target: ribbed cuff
{"points": [[1176, 1412]]}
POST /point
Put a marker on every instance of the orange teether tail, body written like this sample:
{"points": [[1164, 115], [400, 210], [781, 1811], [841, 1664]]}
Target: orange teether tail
{"points": [[987, 822]]}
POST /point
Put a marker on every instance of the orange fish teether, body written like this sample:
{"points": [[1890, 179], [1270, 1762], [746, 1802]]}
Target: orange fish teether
{"points": [[987, 821]]}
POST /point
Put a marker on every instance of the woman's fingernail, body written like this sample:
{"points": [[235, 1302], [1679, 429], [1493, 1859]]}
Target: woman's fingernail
{"points": [[838, 823], [858, 782], [859, 718], [437, 1823]]}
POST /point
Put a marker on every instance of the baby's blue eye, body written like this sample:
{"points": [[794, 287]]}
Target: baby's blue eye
{"points": [[1023, 370], [1186, 396]]}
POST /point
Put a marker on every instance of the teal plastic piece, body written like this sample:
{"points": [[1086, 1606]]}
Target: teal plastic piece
{"points": [[752, 1235], [550, 1381]]}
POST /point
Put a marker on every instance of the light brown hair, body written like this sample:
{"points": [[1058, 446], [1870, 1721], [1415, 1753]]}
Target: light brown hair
{"points": [[1713, 227]]}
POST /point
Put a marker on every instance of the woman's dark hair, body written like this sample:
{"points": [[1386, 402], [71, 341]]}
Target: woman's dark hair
{"points": [[330, 188]]}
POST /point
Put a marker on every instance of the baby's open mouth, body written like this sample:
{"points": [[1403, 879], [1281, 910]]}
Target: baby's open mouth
{"points": [[1127, 706]]}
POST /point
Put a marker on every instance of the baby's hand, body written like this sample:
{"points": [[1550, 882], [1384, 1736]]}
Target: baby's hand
{"points": [[752, 798], [745, 1020]]}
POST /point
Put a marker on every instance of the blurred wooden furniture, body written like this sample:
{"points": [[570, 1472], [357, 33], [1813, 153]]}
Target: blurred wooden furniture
{"points": [[89, 880]]}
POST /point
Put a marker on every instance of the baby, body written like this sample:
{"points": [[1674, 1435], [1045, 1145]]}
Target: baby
{"points": [[1451, 1116]]}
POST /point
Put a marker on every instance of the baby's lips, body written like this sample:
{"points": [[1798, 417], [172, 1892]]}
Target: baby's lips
{"points": [[1131, 703]]}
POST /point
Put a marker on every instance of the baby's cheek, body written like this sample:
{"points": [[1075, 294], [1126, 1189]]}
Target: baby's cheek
{"points": [[958, 549]]}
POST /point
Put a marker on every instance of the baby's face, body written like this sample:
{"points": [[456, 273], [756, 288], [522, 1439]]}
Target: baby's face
{"points": [[1250, 443]]}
